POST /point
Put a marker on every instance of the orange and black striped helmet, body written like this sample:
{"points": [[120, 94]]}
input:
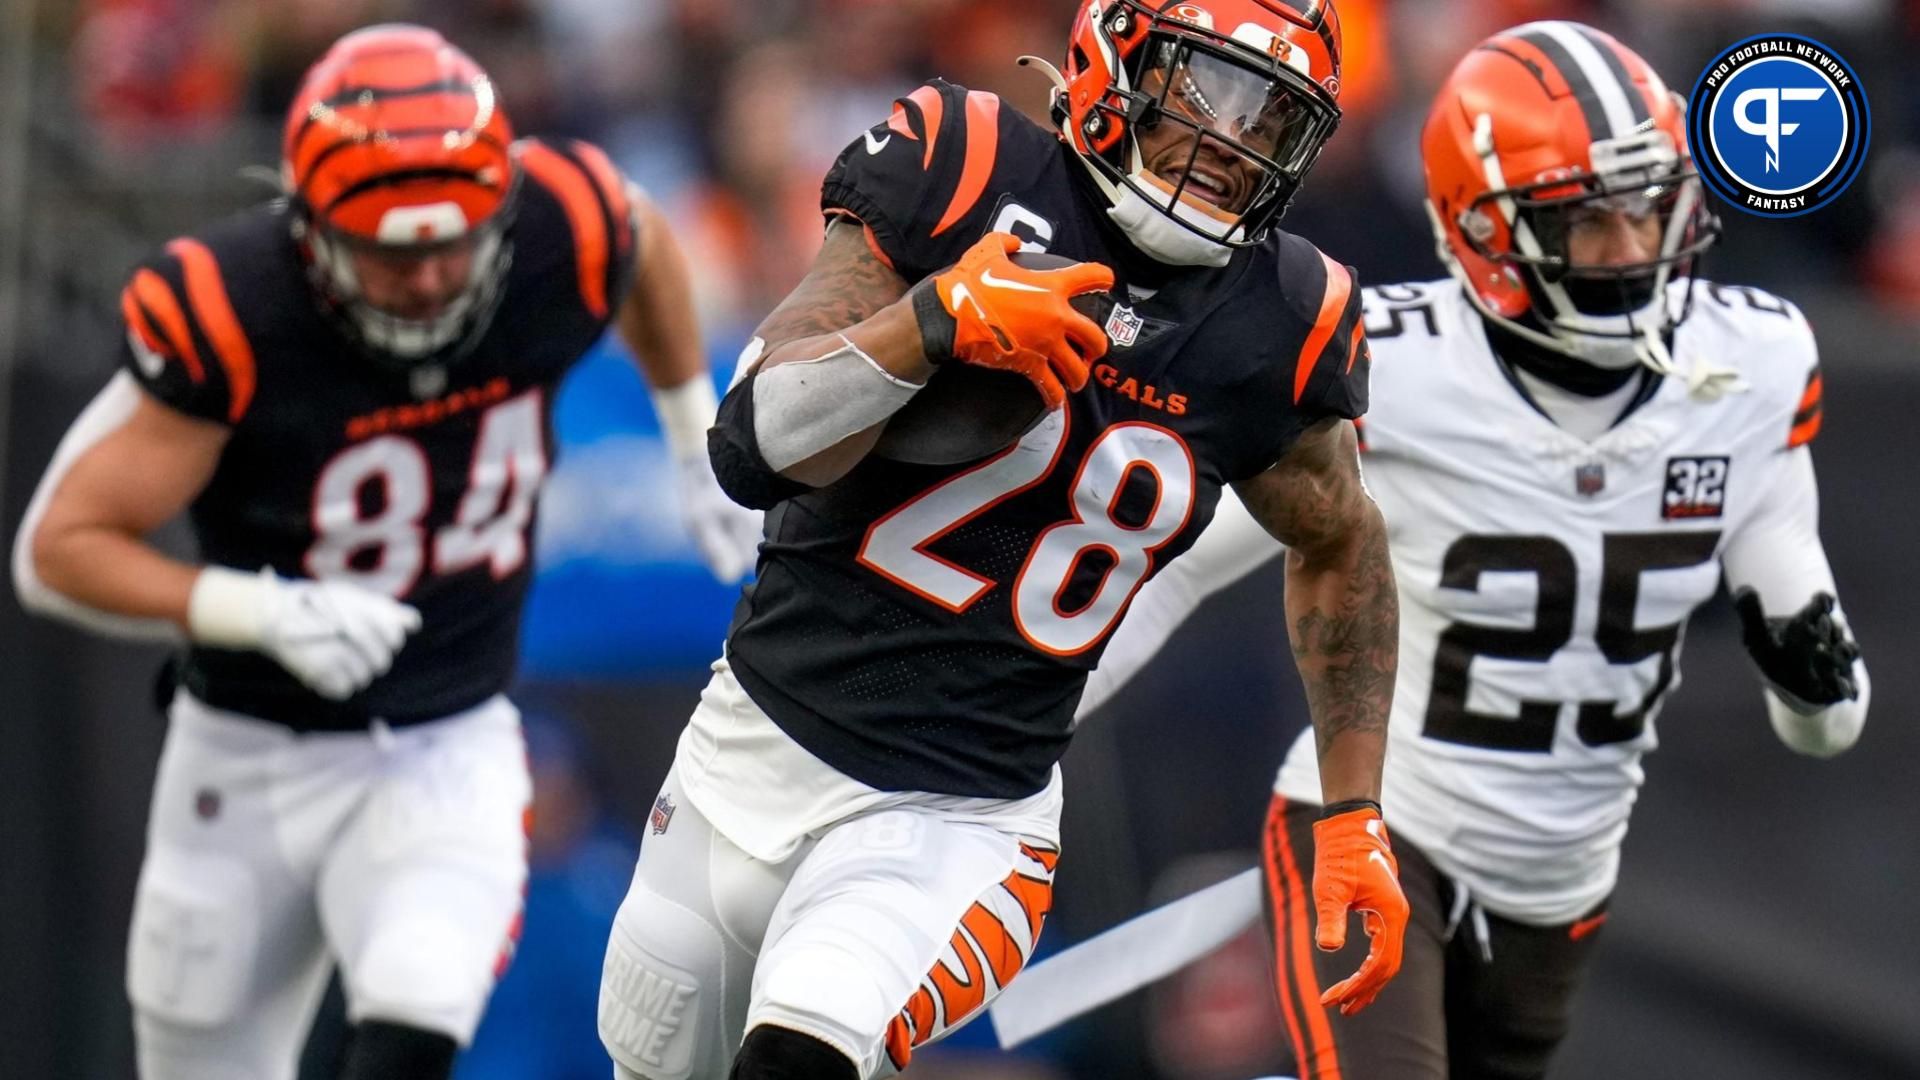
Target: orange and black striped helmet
{"points": [[1535, 127], [1254, 80], [396, 140]]}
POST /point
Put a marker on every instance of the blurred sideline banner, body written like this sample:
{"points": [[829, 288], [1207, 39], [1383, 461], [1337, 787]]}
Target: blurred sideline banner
{"points": [[621, 591]]}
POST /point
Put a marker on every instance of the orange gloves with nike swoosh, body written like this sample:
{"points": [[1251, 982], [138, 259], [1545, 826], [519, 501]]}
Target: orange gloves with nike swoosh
{"points": [[1354, 869], [990, 311]]}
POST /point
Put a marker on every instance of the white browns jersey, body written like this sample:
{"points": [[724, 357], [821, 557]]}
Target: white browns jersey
{"points": [[1545, 581]]}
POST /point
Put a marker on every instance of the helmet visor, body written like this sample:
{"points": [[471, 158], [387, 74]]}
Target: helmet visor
{"points": [[1611, 241], [1596, 230], [1226, 133]]}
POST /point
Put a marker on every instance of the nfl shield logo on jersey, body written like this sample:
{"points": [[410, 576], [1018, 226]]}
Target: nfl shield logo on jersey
{"points": [[1589, 479], [662, 815], [1123, 326]]}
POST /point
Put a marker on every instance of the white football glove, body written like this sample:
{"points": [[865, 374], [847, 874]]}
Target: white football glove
{"points": [[333, 636], [727, 534]]}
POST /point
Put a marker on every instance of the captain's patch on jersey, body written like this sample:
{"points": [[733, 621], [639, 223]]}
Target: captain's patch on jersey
{"points": [[1696, 488]]}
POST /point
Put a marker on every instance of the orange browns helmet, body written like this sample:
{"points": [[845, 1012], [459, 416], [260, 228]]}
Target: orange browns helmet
{"points": [[1253, 80], [1536, 130], [395, 140]]}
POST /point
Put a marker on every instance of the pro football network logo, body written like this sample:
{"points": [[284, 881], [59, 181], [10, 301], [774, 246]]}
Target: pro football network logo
{"points": [[1779, 125]]}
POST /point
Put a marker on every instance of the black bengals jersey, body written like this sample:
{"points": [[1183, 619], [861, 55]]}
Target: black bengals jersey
{"points": [[930, 627], [418, 487]]}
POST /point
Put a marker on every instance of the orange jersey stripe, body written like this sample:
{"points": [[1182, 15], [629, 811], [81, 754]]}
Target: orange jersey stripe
{"points": [[873, 245], [136, 321], [1328, 1058], [873, 242], [613, 188], [1339, 287], [1353, 350], [211, 306], [1803, 432], [150, 292], [569, 185], [897, 122], [1812, 397], [983, 144], [932, 108]]}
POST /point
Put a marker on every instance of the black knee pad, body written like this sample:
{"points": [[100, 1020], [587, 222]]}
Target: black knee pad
{"points": [[382, 1050], [777, 1053]]}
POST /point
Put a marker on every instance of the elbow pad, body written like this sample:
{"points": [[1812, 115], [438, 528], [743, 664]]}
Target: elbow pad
{"points": [[734, 449]]}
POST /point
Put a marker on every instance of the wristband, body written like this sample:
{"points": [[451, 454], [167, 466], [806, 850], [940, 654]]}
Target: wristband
{"points": [[937, 324], [686, 412], [1345, 806], [224, 610]]}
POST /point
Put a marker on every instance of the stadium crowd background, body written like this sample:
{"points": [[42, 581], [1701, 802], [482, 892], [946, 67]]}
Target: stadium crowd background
{"points": [[1762, 928]]}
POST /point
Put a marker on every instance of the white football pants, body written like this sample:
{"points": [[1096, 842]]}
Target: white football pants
{"points": [[400, 854], [882, 932]]}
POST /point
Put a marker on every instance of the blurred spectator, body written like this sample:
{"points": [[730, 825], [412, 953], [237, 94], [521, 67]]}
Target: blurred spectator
{"points": [[1215, 1019], [151, 73]]}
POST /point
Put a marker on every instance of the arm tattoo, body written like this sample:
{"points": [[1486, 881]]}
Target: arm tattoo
{"points": [[846, 284], [1342, 602]]}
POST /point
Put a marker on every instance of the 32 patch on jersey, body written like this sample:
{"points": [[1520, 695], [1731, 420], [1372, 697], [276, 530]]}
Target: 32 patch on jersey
{"points": [[1696, 488]]}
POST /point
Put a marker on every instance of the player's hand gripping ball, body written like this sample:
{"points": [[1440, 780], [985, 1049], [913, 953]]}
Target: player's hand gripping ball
{"points": [[1025, 328]]}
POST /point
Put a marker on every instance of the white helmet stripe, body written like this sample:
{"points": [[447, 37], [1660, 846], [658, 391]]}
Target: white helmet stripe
{"points": [[1598, 74]]}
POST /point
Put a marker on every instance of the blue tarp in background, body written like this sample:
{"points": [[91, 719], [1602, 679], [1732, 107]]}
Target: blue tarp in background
{"points": [[621, 590]]}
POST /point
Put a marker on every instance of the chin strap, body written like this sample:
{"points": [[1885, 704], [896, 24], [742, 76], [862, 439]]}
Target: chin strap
{"points": [[1705, 381], [1052, 73], [1107, 187]]}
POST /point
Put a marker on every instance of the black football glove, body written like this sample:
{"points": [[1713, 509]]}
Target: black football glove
{"points": [[1807, 657]]}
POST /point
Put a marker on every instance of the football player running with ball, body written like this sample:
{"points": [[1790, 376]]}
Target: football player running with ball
{"points": [[1572, 440], [855, 847], [348, 391]]}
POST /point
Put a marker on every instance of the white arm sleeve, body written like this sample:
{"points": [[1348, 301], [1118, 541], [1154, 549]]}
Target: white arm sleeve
{"points": [[102, 417], [1778, 554], [1233, 546]]}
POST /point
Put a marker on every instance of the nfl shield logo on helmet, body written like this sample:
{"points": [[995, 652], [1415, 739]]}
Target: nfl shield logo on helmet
{"points": [[1590, 478], [1123, 326], [662, 815]]}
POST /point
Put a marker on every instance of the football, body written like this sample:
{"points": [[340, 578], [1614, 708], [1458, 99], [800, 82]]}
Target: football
{"points": [[968, 412]]}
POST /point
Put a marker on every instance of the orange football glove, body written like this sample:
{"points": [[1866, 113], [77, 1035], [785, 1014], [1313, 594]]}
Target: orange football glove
{"points": [[990, 311], [1353, 868]]}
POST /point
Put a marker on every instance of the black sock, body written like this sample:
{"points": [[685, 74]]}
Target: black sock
{"points": [[382, 1050], [777, 1053]]}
